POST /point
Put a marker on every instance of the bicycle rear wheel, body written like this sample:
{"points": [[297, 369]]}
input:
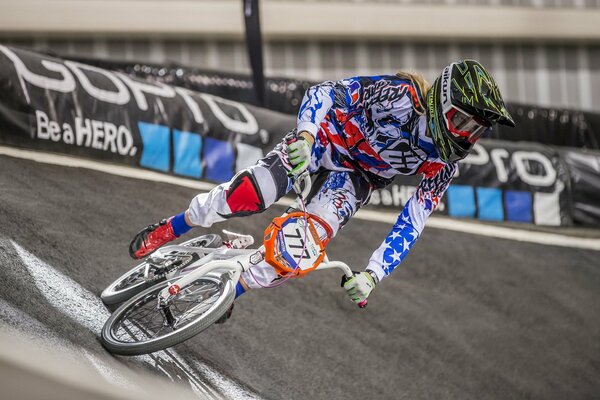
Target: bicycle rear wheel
{"points": [[138, 279], [140, 326]]}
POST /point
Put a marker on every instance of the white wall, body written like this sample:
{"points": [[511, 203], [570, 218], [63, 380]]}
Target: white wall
{"points": [[299, 20], [543, 55]]}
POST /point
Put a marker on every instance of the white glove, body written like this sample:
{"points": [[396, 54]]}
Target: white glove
{"points": [[359, 286], [299, 152]]}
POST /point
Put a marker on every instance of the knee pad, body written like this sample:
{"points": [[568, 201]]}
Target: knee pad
{"points": [[244, 196], [273, 163]]}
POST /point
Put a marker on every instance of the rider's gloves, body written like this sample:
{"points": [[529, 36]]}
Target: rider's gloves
{"points": [[299, 149], [360, 285]]}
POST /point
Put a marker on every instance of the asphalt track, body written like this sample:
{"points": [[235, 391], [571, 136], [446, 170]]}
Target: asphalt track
{"points": [[464, 317]]}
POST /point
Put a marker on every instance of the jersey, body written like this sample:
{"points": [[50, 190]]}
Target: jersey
{"points": [[377, 125]]}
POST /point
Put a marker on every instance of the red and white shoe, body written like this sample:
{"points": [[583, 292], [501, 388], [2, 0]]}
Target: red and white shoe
{"points": [[151, 238]]}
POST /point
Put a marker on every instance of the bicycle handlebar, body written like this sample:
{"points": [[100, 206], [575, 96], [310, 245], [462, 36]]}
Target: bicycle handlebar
{"points": [[302, 185], [347, 272]]}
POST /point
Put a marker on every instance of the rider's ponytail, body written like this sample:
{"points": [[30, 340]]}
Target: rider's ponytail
{"points": [[420, 82]]}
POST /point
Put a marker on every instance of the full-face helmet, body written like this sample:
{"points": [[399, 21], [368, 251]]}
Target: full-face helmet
{"points": [[462, 105]]}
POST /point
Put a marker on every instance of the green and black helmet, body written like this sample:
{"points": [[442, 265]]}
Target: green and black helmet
{"points": [[463, 103]]}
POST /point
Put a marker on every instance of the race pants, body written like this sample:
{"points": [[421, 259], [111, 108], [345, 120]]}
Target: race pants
{"points": [[337, 193]]}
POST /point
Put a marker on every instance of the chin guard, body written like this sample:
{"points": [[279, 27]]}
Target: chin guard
{"points": [[289, 250]]}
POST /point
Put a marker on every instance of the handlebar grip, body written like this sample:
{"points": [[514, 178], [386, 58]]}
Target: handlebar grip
{"points": [[290, 140], [347, 275]]}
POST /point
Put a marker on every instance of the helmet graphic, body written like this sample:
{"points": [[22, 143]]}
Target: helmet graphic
{"points": [[462, 105]]}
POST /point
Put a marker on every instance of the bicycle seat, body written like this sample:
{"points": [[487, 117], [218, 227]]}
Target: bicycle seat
{"points": [[238, 240]]}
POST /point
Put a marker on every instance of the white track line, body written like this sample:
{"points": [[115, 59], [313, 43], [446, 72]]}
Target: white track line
{"points": [[113, 169], [84, 307], [474, 228], [502, 232]]}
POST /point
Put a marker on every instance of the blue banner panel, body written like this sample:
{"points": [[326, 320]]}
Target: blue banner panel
{"points": [[219, 160], [186, 152], [518, 206], [489, 204], [461, 201], [157, 144]]}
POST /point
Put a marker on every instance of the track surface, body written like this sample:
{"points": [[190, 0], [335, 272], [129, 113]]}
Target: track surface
{"points": [[465, 317]]}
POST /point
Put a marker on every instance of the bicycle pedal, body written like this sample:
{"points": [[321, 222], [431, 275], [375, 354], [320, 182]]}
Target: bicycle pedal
{"points": [[155, 261]]}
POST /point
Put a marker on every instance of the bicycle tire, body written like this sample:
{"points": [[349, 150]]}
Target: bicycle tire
{"points": [[115, 293], [198, 324]]}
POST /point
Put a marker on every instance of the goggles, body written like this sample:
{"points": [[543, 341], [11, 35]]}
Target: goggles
{"points": [[465, 126]]}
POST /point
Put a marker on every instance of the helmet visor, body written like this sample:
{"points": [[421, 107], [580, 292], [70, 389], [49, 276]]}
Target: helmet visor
{"points": [[464, 126]]}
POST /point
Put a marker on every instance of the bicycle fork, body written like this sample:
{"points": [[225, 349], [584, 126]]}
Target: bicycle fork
{"points": [[169, 318], [234, 268]]}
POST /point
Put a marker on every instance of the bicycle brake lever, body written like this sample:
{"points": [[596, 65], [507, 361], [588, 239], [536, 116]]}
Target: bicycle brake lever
{"points": [[302, 185]]}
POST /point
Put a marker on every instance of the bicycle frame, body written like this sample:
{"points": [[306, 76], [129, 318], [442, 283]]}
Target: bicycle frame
{"points": [[225, 260], [234, 261]]}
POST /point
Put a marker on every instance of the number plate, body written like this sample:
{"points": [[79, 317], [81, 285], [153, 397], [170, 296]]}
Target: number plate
{"points": [[292, 244]]}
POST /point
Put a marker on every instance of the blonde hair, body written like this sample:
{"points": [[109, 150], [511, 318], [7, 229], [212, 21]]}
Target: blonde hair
{"points": [[420, 82]]}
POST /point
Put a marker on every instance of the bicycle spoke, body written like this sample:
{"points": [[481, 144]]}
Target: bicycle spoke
{"points": [[135, 278], [139, 314], [196, 311], [147, 329]]}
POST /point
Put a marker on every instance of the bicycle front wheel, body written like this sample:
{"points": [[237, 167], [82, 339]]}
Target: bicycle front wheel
{"points": [[141, 326]]}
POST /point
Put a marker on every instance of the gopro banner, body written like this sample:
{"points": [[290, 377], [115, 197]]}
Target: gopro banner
{"points": [[281, 94], [549, 126], [499, 181], [65, 106], [69, 107]]}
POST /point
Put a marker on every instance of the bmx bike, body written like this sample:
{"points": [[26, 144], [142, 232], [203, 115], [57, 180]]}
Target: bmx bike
{"points": [[181, 290]]}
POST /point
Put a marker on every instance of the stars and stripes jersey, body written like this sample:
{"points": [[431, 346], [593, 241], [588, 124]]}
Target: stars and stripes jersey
{"points": [[377, 124]]}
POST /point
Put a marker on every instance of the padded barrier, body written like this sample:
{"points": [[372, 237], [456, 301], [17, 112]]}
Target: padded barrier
{"points": [[545, 125], [64, 106]]}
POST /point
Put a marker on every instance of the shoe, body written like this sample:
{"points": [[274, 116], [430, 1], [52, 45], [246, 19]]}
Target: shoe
{"points": [[225, 316], [151, 238]]}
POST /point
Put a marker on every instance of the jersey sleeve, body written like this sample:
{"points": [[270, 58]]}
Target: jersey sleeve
{"points": [[320, 99], [316, 103], [411, 221]]}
